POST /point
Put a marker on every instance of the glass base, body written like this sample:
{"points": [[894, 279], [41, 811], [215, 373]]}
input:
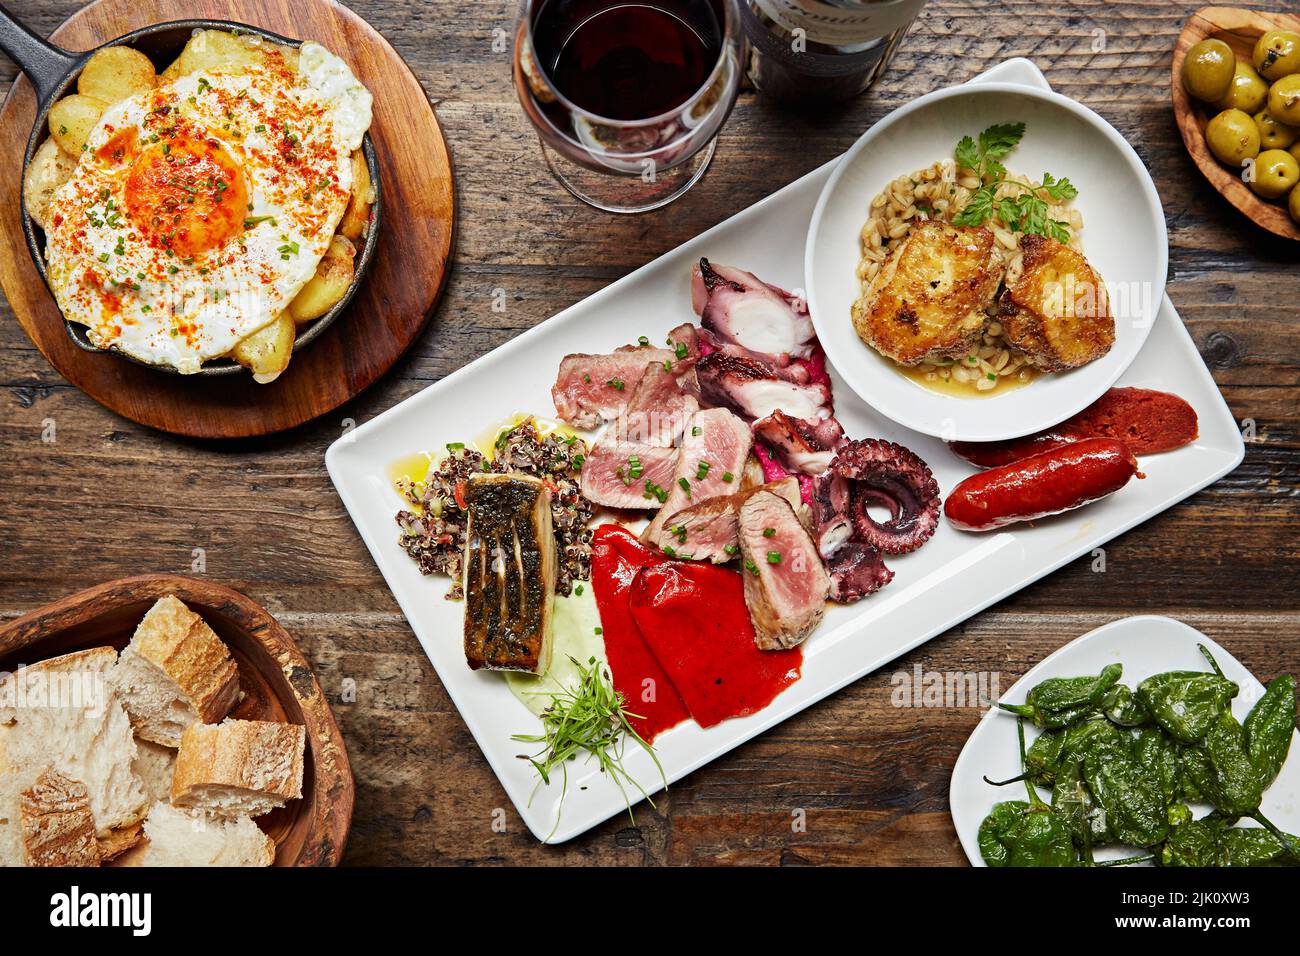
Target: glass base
{"points": [[613, 192]]}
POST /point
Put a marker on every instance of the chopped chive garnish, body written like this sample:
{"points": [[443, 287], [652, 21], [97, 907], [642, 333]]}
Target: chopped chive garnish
{"points": [[728, 476], [751, 567], [455, 445], [616, 383], [731, 549], [696, 431], [577, 589], [701, 471], [769, 532], [686, 485], [774, 557]]}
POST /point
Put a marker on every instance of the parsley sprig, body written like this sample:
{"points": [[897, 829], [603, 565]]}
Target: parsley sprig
{"points": [[1026, 212]]}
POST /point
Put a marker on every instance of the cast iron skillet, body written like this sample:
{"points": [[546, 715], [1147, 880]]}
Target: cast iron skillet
{"points": [[54, 71]]}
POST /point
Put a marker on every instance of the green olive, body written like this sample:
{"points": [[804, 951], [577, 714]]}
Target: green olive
{"points": [[1276, 172], [1233, 137], [1247, 91], [1273, 134], [1284, 100], [1207, 70], [1295, 150], [1293, 204], [1277, 54]]}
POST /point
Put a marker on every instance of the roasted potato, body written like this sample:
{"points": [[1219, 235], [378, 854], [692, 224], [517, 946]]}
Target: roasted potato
{"points": [[49, 169], [266, 352], [323, 291], [115, 73], [71, 120], [223, 52], [357, 215]]}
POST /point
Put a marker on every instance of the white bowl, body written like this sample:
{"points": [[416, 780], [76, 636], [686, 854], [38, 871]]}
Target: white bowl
{"points": [[1123, 234], [1145, 645]]}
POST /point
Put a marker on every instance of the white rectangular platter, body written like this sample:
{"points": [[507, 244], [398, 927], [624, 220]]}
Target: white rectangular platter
{"points": [[953, 577]]}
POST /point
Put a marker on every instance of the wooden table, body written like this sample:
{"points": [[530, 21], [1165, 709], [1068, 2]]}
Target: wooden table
{"points": [[108, 498]]}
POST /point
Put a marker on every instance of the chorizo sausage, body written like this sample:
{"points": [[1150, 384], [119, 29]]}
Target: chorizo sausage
{"points": [[1057, 480], [1142, 418]]}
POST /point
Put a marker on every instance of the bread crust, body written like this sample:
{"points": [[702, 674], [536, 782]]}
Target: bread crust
{"points": [[57, 825], [257, 756], [182, 645]]}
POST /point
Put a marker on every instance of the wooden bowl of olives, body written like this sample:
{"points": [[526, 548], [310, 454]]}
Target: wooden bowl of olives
{"points": [[1236, 92]]}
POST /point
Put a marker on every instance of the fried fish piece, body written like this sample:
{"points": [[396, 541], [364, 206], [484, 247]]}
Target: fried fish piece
{"points": [[1057, 312], [510, 568], [930, 296]]}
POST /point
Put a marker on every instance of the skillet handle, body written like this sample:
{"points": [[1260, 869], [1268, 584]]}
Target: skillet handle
{"points": [[44, 63]]}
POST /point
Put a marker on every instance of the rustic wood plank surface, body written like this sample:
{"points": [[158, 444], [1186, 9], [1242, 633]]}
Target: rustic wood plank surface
{"points": [[106, 498]]}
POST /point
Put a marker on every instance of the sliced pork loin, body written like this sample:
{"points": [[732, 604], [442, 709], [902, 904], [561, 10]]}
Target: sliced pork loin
{"points": [[658, 410], [591, 389], [709, 530], [754, 389], [710, 462], [786, 585], [621, 474], [741, 309], [801, 445]]}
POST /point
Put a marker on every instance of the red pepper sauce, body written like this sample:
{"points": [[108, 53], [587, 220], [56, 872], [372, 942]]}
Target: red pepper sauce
{"points": [[694, 619], [616, 557]]}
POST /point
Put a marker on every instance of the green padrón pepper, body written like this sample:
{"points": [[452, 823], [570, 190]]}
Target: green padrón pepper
{"points": [[1058, 701]]}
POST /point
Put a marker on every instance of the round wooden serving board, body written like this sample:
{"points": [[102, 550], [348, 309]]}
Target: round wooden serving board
{"points": [[1239, 29], [389, 310], [276, 679]]}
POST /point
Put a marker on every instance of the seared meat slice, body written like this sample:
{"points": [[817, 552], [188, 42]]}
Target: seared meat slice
{"points": [[709, 531], [710, 462], [510, 565], [590, 389], [739, 308], [754, 389], [658, 410], [929, 298], [684, 343], [800, 445], [1057, 312], [785, 584], [621, 474]]}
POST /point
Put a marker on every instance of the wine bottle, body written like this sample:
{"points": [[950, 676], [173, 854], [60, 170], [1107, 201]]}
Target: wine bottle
{"points": [[815, 52]]}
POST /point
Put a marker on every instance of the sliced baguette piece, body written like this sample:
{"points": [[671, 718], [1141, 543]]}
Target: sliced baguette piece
{"points": [[119, 840], [175, 672], [178, 837], [239, 767], [63, 713], [57, 826]]}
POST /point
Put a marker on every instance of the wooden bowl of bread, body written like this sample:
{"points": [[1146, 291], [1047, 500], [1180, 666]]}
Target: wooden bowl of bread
{"points": [[162, 720]]}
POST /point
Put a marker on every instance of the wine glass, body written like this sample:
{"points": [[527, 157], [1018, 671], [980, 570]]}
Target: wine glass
{"points": [[627, 98]]}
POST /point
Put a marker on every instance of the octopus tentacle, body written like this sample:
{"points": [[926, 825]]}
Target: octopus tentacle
{"points": [[886, 474]]}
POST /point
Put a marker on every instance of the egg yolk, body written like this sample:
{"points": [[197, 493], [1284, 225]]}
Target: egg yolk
{"points": [[187, 194]]}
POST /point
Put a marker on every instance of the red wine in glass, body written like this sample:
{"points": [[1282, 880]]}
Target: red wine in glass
{"points": [[627, 61]]}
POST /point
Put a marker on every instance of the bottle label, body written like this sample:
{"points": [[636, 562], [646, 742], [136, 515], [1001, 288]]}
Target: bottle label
{"points": [[836, 25]]}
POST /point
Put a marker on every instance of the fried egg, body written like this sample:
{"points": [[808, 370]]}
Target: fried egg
{"points": [[201, 207]]}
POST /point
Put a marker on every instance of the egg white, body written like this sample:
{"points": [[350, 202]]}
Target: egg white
{"points": [[164, 309]]}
